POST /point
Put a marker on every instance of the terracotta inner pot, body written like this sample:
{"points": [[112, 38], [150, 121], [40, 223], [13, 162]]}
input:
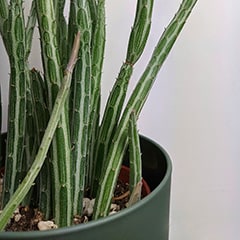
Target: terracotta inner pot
{"points": [[124, 176]]}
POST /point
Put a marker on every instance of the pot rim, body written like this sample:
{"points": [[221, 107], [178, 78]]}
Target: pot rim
{"points": [[106, 220]]}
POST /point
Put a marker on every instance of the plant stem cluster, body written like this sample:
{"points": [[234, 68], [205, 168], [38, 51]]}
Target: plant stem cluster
{"points": [[56, 145]]}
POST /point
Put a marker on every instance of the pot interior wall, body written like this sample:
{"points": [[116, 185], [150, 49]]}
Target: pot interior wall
{"points": [[154, 162]]}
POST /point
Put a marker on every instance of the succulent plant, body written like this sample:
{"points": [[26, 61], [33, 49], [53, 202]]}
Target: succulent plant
{"points": [[56, 144]]}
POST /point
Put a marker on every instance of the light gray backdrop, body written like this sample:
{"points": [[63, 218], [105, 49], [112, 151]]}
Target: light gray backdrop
{"points": [[193, 110]]}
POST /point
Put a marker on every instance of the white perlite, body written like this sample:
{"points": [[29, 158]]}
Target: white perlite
{"points": [[88, 206], [46, 225]]}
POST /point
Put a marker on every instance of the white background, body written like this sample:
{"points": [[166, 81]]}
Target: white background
{"points": [[193, 110]]}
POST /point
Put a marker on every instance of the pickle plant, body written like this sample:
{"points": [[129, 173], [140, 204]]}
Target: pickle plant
{"points": [[57, 147]]}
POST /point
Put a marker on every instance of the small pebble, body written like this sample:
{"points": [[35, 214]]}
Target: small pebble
{"points": [[17, 217], [88, 206], [114, 207], [16, 211], [46, 225], [112, 212]]}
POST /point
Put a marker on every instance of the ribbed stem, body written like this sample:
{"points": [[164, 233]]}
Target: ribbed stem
{"points": [[81, 89], [94, 9], [45, 144], [135, 161], [41, 117], [135, 103], [137, 41], [140, 31], [109, 122], [61, 31], [4, 22], [17, 100], [32, 19], [60, 152], [98, 47], [30, 138]]}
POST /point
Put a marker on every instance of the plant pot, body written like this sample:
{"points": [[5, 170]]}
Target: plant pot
{"points": [[147, 219]]}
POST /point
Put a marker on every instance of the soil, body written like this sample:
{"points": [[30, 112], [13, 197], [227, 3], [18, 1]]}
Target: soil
{"points": [[27, 219], [121, 194]]}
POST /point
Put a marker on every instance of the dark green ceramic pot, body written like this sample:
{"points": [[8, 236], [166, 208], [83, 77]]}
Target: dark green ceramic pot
{"points": [[148, 219]]}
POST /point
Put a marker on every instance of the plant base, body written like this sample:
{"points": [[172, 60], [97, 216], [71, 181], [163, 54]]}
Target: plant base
{"points": [[147, 219]]}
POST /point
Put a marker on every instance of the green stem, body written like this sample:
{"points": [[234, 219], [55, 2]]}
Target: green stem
{"points": [[98, 47], [81, 89], [93, 5], [135, 103], [137, 41], [3, 18], [41, 116], [32, 18], [134, 154], [109, 122], [30, 139], [61, 31], [140, 31], [46, 141], [60, 151], [17, 99]]}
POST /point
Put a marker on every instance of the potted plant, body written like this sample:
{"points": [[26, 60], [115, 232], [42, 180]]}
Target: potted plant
{"points": [[57, 149]]}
